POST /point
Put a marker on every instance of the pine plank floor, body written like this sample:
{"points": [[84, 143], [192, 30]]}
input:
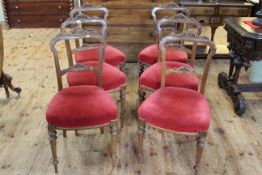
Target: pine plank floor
{"points": [[234, 144]]}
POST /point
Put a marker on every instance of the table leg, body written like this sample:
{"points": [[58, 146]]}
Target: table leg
{"points": [[231, 68], [6, 82], [229, 83], [213, 31]]}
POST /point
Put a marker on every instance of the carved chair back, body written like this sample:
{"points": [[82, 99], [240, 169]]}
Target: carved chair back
{"points": [[1, 51], [88, 9], [80, 35], [176, 25], [172, 42], [79, 23], [166, 8]]}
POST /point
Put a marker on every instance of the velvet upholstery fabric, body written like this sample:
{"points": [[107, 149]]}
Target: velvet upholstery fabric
{"points": [[176, 109], [149, 55], [113, 56], [151, 77], [112, 77], [81, 106]]}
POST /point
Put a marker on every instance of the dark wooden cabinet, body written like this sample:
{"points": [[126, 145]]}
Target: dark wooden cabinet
{"points": [[214, 13], [36, 13]]}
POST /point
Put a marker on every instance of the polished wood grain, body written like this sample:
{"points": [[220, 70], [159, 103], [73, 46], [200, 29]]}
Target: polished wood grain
{"points": [[233, 143], [36, 14], [134, 4]]}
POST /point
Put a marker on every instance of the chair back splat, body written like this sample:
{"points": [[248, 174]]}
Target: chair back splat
{"points": [[174, 7], [169, 7], [87, 34], [80, 21], [150, 54], [176, 25], [84, 9], [171, 41]]}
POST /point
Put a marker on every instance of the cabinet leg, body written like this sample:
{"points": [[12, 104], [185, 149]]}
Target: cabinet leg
{"points": [[213, 31]]}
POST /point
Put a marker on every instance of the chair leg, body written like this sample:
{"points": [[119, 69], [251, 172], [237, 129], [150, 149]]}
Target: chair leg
{"points": [[52, 140], [141, 94], [122, 67], [64, 133], [200, 147], [123, 102], [141, 128], [141, 68], [76, 132], [102, 130], [113, 131]]}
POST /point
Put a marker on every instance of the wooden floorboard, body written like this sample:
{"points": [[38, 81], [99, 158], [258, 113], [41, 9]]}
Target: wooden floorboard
{"points": [[234, 144]]}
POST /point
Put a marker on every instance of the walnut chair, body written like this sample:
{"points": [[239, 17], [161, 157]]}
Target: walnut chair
{"points": [[80, 107], [113, 78], [176, 109], [113, 55], [5, 79], [149, 55], [150, 79]]}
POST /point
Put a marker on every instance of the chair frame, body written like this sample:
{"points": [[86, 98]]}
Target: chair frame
{"points": [[84, 20], [179, 19], [79, 67], [5, 79], [167, 6], [202, 135]]}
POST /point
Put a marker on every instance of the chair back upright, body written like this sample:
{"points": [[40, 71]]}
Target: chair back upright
{"points": [[89, 8], [1, 51], [172, 42], [172, 7], [89, 34], [178, 24]]}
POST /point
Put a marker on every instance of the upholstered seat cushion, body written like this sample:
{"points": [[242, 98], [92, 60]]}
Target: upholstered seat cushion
{"points": [[113, 56], [176, 109], [149, 55], [151, 77], [112, 77], [81, 106]]}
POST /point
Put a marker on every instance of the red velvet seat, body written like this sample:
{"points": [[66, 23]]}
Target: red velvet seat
{"points": [[149, 55], [151, 77], [81, 106], [113, 56], [176, 109], [113, 78]]}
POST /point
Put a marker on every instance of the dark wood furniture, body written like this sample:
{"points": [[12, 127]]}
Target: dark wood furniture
{"points": [[36, 13], [213, 13], [245, 45], [130, 25]]}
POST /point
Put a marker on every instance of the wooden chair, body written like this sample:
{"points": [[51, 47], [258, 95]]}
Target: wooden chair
{"points": [[80, 107], [5, 79], [113, 55], [113, 78], [150, 79], [175, 109], [149, 55]]}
